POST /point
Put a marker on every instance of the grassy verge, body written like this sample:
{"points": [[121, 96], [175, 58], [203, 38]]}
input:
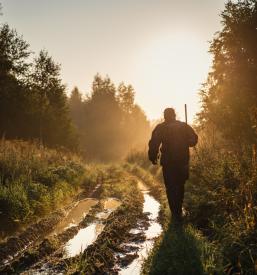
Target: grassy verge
{"points": [[221, 200], [35, 180], [185, 251]]}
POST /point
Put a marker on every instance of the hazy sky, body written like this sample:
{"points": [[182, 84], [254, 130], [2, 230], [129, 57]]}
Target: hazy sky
{"points": [[158, 46]]}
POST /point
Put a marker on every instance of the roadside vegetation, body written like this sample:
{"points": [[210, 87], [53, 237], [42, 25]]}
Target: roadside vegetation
{"points": [[176, 251], [34, 181], [40, 177], [219, 235]]}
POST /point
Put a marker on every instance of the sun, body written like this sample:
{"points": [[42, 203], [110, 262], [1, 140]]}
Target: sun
{"points": [[173, 68]]}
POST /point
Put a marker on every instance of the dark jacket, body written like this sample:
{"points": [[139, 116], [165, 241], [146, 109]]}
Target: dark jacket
{"points": [[175, 139]]}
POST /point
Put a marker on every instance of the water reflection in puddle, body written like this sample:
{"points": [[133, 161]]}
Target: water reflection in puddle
{"points": [[152, 207], [109, 205], [75, 215], [83, 239], [89, 234]]}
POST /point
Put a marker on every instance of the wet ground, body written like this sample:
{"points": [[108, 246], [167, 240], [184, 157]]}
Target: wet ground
{"points": [[74, 217], [88, 235], [81, 226], [153, 230], [83, 237]]}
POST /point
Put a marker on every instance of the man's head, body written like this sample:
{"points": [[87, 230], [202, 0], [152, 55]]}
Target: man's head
{"points": [[169, 114]]}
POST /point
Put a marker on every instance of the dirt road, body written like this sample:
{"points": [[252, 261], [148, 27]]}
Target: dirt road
{"points": [[111, 231]]}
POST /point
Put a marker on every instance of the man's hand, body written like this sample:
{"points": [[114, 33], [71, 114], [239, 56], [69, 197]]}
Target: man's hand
{"points": [[154, 162]]}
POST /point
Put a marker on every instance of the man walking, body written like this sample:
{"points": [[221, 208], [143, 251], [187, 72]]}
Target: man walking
{"points": [[175, 138]]}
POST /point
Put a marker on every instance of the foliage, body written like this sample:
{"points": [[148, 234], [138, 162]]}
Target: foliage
{"points": [[48, 92], [221, 197], [34, 180], [33, 104], [221, 202], [229, 96], [108, 119], [182, 252]]}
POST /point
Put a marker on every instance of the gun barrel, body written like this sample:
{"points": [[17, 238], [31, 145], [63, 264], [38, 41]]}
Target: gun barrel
{"points": [[186, 113]]}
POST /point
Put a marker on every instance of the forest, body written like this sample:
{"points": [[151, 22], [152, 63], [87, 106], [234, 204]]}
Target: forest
{"points": [[78, 194]]}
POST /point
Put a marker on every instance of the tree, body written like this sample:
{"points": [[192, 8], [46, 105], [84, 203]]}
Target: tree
{"points": [[126, 97], [13, 94], [13, 53], [112, 123], [133, 119], [230, 94], [76, 107], [102, 121], [48, 92]]}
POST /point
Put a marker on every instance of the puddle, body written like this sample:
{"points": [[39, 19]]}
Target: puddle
{"points": [[83, 239], [89, 234], [76, 215], [109, 205], [152, 207]]}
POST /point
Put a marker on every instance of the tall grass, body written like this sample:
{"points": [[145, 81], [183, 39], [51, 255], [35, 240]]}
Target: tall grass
{"points": [[33, 181], [182, 252], [221, 203], [221, 199]]}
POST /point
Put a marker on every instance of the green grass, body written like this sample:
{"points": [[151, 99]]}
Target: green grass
{"points": [[35, 180], [221, 205], [176, 251], [184, 251]]}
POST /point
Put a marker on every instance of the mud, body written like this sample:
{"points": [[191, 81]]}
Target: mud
{"points": [[131, 262], [89, 234], [20, 251], [76, 215], [16, 245], [70, 243], [113, 239]]}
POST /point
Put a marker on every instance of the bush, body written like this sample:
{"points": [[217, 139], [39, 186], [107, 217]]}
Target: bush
{"points": [[221, 201], [34, 180]]}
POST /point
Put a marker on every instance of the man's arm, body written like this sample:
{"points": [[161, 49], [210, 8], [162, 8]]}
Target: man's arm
{"points": [[154, 144], [192, 136]]}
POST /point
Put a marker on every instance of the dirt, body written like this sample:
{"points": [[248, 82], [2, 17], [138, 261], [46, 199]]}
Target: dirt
{"points": [[111, 235], [20, 250]]}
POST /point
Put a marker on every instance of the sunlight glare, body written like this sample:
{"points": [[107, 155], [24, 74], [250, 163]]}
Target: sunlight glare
{"points": [[173, 69]]}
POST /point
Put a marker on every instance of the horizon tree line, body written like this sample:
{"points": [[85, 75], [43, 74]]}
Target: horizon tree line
{"points": [[34, 105]]}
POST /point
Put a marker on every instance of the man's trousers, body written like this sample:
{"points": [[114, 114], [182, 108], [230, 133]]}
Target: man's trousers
{"points": [[174, 180]]}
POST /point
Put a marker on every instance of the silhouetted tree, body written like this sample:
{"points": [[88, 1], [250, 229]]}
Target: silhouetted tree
{"points": [[126, 97], [112, 123], [13, 68], [54, 125], [33, 105], [102, 120], [76, 107], [230, 94]]}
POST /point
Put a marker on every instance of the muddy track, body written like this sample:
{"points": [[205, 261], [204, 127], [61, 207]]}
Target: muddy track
{"points": [[127, 238], [14, 247], [111, 241]]}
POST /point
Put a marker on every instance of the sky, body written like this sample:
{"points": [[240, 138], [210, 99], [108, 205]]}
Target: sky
{"points": [[160, 47]]}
